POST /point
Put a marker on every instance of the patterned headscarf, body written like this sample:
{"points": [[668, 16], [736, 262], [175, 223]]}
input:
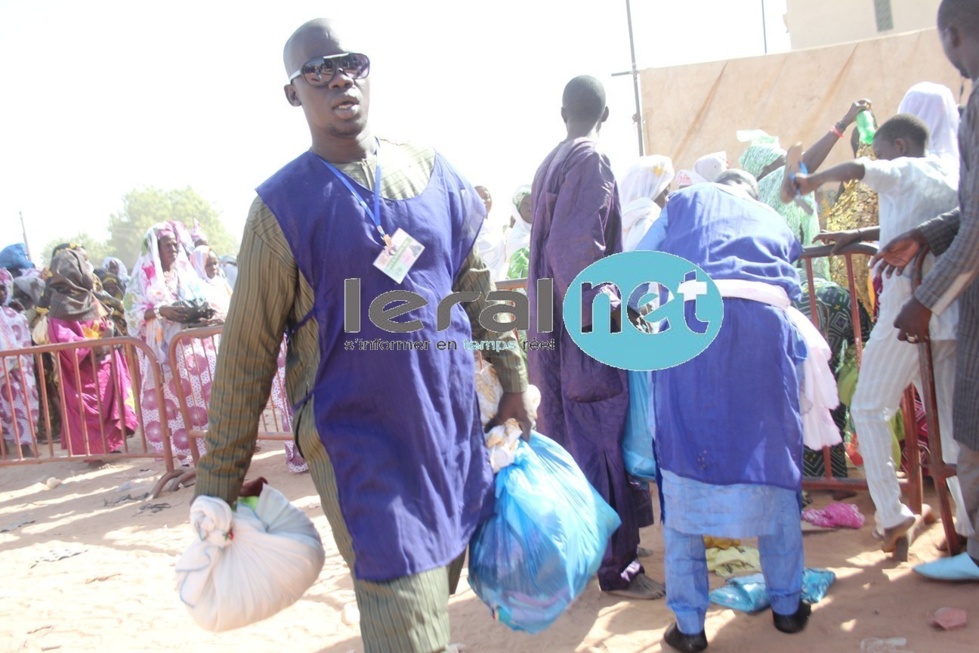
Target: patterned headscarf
{"points": [[763, 151], [70, 287], [117, 268], [7, 280], [32, 287], [197, 233], [517, 199], [149, 289]]}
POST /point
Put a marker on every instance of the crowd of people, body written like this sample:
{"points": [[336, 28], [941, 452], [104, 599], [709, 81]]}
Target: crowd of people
{"points": [[393, 438], [177, 282]]}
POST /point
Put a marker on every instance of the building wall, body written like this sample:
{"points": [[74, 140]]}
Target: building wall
{"points": [[692, 110], [815, 23]]}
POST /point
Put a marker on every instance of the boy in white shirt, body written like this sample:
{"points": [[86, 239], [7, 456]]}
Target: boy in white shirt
{"points": [[912, 188]]}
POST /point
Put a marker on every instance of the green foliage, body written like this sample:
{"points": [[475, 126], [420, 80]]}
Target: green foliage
{"points": [[96, 249], [144, 207]]}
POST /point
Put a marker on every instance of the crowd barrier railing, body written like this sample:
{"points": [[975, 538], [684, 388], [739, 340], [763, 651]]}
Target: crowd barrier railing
{"points": [[939, 470], [193, 354], [912, 484], [54, 399]]}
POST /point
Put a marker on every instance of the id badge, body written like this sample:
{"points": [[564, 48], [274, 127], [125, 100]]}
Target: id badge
{"points": [[396, 260]]}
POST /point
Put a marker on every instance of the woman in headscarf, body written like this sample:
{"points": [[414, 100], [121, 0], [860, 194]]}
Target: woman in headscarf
{"points": [[935, 105], [99, 403], [765, 159], [28, 290], [643, 195], [164, 297], [18, 389], [491, 242], [215, 285], [518, 240], [117, 268]]}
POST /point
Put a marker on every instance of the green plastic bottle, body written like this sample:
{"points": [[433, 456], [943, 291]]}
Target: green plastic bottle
{"points": [[865, 127]]}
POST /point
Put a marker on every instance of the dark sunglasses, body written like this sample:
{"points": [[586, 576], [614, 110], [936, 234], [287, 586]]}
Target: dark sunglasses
{"points": [[319, 71]]}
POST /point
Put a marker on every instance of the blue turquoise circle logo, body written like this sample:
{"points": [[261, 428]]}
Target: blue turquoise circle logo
{"points": [[683, 310]]}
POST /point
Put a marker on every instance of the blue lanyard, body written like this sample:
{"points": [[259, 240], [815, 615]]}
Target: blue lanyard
{"points": [[374, 215]]}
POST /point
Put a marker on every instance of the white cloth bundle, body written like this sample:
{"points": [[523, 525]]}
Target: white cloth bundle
{"points": [[247, 564], [819, 392], [501, 441]]}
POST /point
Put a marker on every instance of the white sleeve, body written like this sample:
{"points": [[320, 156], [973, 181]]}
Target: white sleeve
{"points": [[886, 177]]}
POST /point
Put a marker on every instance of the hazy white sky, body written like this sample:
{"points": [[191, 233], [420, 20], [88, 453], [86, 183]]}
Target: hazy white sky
{"points": [[103, 96]]}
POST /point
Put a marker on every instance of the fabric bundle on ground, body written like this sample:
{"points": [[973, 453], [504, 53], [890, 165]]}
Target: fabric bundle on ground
{"points": [[835, 515], [248, 563], [748, 593], [545, 540]]}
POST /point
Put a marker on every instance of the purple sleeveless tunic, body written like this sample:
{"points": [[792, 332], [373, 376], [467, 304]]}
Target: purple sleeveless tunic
{"points": [[401, 428]]}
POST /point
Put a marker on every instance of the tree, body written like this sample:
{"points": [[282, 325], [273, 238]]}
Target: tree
{"points": [[96, 249], [144, 207]]}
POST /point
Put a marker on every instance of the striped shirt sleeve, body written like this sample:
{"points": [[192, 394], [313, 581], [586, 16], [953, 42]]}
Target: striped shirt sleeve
{"points": [[958, 267], [507, 362], [248, 358]]}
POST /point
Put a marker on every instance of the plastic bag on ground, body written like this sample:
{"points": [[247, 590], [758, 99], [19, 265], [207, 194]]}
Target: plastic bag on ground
{"points": [[637, 440], [533, 557], [748, 593], [248, 563]]}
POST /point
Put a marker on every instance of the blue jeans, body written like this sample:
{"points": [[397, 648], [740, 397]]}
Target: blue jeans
{"points": [[687, 583]]}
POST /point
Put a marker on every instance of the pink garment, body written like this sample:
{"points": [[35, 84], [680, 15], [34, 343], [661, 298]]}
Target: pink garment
{"points": [[105, 413], [197, 363], [151, 288], [18, 388], [834, 515]]}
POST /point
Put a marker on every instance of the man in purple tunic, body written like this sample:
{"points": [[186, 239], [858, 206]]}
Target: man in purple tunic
{"points": [[583, 402], [387, 419]]}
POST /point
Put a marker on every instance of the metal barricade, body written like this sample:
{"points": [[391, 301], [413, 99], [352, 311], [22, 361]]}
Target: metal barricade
{"points": [[912, 484], [939, 470], [191, 360], [88, 385]]}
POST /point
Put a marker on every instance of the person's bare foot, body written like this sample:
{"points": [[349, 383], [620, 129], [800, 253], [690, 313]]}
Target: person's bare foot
{"points": [[641, 587], [890, 536]]}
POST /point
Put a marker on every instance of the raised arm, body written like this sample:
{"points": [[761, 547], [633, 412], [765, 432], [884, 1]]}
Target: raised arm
{"points": [[814, 156]]}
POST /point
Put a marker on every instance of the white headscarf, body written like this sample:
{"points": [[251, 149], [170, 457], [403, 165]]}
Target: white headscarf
{"points": [[519, 235], [217, 290], [935, 105], [644, 182]]}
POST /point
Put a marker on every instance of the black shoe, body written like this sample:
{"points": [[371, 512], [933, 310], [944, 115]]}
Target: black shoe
{"points": [[793, 623], [685, 643]]}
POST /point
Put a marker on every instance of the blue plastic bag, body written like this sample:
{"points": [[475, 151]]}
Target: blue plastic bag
{"points": [[748, 593], [544, 541], [637, 441]]}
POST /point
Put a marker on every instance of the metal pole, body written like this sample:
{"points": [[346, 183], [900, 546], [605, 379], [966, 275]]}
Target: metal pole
{"points": [[23, 230], [635, 79], [764, 26]]}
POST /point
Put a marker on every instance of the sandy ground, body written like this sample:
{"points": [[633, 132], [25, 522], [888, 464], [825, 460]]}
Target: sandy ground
{"points": [[115, 590]]}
